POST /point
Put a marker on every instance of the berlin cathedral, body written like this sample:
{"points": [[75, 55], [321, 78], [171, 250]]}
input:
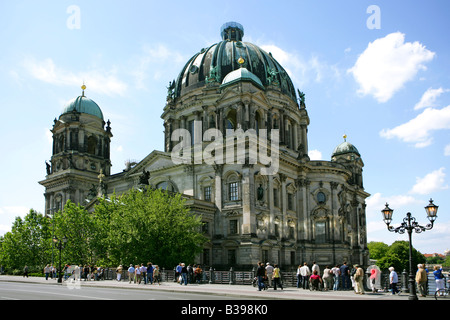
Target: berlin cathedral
{"points": [[301, 210]]}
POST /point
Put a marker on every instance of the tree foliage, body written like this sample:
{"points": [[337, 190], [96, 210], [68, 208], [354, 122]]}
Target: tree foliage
{"points": [[397, 256], [377, 249], [28, 242], [135, 227]]}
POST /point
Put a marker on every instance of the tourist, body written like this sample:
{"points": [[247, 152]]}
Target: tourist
{"points": [[178, 273], [336, 276], [47, 271], [137, 271], [393, 280], [439, 278], [305, 273], [150, 269], [352, 276], [421, 279], [327, 278], [119, 272], [144, 273], [53, 270], [130, 273], [184, 274], [373, 279], [86, 272], [359, 277], [276, 277], [157, 275], [269, 273], [198, 274], [315, 267], [345, 276], [190, 270], [299, 276], [315, 280], [260, 274]]}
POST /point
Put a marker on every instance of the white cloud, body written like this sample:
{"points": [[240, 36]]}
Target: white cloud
{"points": [[387, 64], [315, 155], [429, 97], [103, 82], [376, 202], [447, 150], [432, 182], [418, 130], [302, 71]]}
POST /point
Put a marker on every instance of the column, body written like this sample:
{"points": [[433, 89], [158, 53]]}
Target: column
{"points": [[248, 221]]}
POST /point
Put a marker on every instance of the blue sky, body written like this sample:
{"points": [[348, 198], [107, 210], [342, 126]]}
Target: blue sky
{"points": [[381, 77]]}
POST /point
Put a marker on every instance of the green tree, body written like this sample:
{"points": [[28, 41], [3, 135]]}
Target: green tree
{"points": [[377, 249], [398, 257], [153, 225], [77, 225], [28, 243]]}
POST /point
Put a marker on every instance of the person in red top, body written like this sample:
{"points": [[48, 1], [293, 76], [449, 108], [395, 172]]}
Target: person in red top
{"points": [[314, 280]]}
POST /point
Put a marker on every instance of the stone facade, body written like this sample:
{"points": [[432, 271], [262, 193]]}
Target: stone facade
{"points": [[303, 211]]}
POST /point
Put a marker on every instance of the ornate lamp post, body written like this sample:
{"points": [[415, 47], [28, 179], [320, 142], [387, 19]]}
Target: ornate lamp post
{"points": [[409, 224], [59, 244]]}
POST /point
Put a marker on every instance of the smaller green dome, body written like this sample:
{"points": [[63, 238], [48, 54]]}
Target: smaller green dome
{"points": [[83, 104], [345, 148], [241, 74]]}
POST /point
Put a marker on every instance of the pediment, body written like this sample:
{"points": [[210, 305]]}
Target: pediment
{"points": [[156, 160]]}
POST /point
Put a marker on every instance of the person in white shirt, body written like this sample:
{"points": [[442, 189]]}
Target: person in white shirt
{"points": [[305, 272], [336, 274], [138, 274], [315, 267], [393, 280], [269, 272]]}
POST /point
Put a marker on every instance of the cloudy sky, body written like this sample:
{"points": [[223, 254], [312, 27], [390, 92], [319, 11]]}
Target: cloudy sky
{"points": [[377, 71]]}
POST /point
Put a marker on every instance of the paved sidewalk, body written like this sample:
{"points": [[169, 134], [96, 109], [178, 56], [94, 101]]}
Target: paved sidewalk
{"points": [[238, 291]]}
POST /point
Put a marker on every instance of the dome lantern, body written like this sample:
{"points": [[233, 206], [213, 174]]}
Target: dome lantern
{"points": [[232, 31]]}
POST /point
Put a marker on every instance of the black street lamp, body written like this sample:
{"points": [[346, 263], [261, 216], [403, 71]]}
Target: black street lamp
{"points": [[409, 224], [59, 244]]}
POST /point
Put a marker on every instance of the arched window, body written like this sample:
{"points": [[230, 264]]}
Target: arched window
{"points": [[92, 145], [166, 185], [231, 120], [233, 187], [211, 121], [258, 122]]}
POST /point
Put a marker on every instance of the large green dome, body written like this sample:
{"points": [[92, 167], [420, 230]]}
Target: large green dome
{"points": [[83, 104], [213, 64]]}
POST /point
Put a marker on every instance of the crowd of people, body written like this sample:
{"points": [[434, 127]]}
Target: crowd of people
{"points": [[188, 274], [339, 277], [140, 273], [78, 272], [151, 274]]}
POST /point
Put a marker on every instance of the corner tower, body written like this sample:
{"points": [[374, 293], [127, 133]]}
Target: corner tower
{"points": [[80, 154]]}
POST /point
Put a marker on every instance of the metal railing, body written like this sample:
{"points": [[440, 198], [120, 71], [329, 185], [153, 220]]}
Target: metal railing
{"points": [[232, 277]]}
